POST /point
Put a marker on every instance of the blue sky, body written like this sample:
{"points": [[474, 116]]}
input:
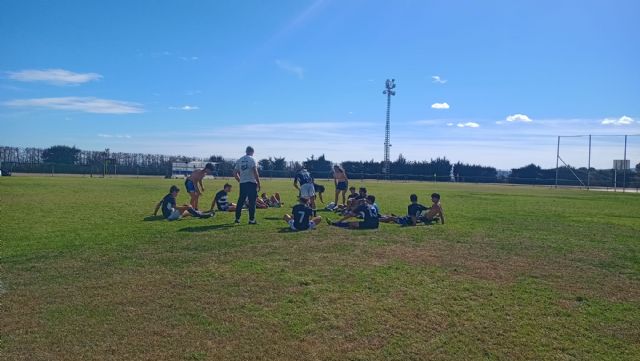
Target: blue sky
{"points": [[485, 82]]}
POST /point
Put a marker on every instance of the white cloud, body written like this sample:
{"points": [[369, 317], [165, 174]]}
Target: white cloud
{"points": [[518, 118], [449, 124], [440, 106], [185, 107], [189, 58], [623, 120], [53, 76], [81, 104], [291, 68], [467, 125], [437, 79], [119, 136]]}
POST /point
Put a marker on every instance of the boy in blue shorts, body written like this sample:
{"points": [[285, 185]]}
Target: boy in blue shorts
{"points": [[414, 211], [171, 212], [193, 183], [369, 211], [300, 218]]}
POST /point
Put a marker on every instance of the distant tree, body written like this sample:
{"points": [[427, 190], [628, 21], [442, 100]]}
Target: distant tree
{"points": [[279, 164], [60, 154], [474, 173], [216, 158], [265, 164], [319, 167], [638, 167]]}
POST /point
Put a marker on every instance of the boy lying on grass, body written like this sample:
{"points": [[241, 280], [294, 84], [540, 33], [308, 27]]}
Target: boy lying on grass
{"points": [[300, 218], [370, 213], [171, 212], [416, 213]]}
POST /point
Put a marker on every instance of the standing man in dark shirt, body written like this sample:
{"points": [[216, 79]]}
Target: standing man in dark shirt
{"points": [[300, 218]]}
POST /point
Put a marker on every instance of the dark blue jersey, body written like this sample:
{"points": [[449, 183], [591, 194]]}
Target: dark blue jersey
{"points": [[301, 215], [304, 177], [415, 209], [221, 200], [370, 213], [168, 205]]}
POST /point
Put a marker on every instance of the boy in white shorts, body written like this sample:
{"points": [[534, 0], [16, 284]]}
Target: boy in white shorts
{"points": [[300, 218]]}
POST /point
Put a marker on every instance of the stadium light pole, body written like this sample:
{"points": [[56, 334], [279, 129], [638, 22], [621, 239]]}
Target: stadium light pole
{"points": [[624, 165], [390, 84]]}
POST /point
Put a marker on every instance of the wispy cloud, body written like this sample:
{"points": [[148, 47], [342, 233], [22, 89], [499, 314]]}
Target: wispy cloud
{"points": [[291, 68], [518, 118], [623, 120], [468, 125], [437, 79], [189, 58], [81, 104], [440, 106], [185, 107], [53, 76], [118, 136]]}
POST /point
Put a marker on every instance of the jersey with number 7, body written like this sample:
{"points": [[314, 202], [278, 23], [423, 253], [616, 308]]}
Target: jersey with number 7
{"points": [[301, 215]]}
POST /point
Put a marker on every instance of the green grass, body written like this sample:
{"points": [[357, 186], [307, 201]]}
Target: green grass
{"points": [[516, 273]]}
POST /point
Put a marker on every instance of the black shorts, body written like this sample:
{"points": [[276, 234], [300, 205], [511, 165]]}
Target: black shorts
{"points": [[342, 186], [367, 225]]}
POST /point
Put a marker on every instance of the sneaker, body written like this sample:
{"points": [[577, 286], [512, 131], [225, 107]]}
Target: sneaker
{"points": [[253, 222], [237, 221]]}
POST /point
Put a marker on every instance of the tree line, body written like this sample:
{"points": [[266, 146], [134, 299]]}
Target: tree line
{"points": [[65, 159]]}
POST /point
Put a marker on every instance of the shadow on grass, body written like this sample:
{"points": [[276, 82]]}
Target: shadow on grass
{"points": [[273, 218], [153, 218], [285, 230], [205, 228]]}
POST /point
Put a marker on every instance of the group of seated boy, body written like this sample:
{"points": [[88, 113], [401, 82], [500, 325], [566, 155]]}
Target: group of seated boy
{"points": [[221, 201], [359, 205]]}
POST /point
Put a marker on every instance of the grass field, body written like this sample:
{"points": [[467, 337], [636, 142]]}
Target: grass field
{"points": [[516, 273]]}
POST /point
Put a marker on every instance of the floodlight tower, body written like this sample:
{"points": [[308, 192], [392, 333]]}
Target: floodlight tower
{"points": [[390, 85]]}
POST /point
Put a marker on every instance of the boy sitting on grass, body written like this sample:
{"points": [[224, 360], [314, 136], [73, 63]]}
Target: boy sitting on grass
{"points": [[300, 218], [435, 213], [221, 200], [369, 210], [171, 212], [414, 211]]}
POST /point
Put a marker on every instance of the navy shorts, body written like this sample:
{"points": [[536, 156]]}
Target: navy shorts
{"points": [[342, 186], [367, 225], [405, 221], [190, 186]]}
